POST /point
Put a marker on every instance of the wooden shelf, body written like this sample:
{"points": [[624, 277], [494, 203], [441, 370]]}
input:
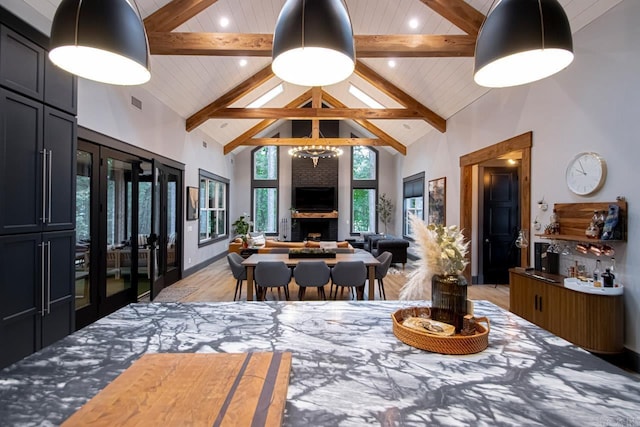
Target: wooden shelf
{"points": [[575, 238], [574, 219], [302, 215]]}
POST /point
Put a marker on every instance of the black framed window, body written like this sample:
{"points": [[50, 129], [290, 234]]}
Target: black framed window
{"points": [[412, 201], [264, 189], [364, 189], [214, 207]]}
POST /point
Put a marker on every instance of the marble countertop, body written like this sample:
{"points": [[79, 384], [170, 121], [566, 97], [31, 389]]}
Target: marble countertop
{"points": [[348, 368]]}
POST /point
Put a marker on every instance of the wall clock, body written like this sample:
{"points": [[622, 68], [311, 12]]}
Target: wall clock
{"points": [[586, 173]]}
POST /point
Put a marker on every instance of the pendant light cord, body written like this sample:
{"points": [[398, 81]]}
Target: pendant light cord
{"points": [[304, 3], [541, 23], [75, 32], [484, 21]]}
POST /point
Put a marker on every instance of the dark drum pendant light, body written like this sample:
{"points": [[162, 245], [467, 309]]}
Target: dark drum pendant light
{"points": [[522, 41], [313, 43], [102, 40]]}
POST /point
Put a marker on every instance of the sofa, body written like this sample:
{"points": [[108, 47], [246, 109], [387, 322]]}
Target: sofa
{"points": [[379, 243]]}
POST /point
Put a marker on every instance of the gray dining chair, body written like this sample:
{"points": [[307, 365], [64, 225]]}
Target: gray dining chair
{"points": [[238, 271], [348, 274], [311, 274], [272, 274], [381, 271]]}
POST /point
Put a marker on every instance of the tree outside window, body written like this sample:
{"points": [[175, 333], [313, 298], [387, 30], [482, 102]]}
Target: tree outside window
{"points": [[213, 218], [264, 185], [364, 189]]}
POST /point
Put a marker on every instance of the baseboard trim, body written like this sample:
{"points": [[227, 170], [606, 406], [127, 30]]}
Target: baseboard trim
{"points": [[188, 272], [627, 360]]}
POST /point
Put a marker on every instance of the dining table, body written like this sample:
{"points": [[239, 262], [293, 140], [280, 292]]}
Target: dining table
{"points": [[369, 260]]}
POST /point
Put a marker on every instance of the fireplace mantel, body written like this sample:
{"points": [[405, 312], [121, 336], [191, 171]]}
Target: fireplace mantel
{"points": [[305, 215]]}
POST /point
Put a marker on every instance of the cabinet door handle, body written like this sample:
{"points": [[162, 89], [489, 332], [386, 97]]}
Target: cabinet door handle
{"points": [[535, 302], [48, 277], [540, 304], [42, 284], [49, 186], [44, 186]]}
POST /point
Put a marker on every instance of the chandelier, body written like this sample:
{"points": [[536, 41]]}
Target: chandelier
{"points": [[315, 152]]}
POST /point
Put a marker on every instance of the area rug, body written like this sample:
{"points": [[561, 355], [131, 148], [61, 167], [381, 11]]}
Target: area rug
{"points": [[174, 294]]}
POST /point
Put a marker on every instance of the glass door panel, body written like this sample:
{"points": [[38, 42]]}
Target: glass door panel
{"points": [[84, 174], [118, 217]]}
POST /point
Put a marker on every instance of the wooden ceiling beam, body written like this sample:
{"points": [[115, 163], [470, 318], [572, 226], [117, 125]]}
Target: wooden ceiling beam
{"points": [[400, 96], [338, 142], [317, 113], [230, 97], [242, 139], [459, 13], [260, 45], [370, 127], [175, 13], [316, 102]]}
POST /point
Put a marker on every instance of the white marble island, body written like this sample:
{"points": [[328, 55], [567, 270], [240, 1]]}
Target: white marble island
{"points": [[348, 368]]}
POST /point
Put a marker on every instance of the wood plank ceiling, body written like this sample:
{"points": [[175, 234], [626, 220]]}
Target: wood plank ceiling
{"points": [[197, 70]]}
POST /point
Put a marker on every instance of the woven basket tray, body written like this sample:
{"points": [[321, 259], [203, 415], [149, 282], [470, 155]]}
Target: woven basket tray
{"points": [[456, 344]]}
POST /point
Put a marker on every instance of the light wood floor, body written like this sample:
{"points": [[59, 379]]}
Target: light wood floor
{"points": [[216, 283]]}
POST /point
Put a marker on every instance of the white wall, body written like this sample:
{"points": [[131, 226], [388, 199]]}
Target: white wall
{"points": [[590, 106]]}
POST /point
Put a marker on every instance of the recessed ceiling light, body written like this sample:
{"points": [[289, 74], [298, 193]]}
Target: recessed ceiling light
{"points": [[224, 125], [224, 22], [267, 97], [392, 63], [406, 126], [369, 101], [413, 23], [243, 62]]}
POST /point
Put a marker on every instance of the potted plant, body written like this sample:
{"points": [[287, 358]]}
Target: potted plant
{"points": [[443, 253], [241, 228], [384, 208]]}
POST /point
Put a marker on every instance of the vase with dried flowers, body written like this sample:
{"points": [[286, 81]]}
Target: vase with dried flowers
{"points": [[443, 253]]}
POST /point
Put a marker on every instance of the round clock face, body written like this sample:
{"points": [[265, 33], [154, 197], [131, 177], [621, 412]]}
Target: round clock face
{"points": [[586, 173]]}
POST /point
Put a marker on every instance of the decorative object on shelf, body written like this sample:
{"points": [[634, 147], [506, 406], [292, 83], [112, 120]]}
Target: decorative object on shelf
{"points": [[438, 201], [443, 251], [315, 152], [459, 344], [99, 40], [384, 208], [522, 41], [554, 224], [586, 173], [610, 230], [311, 253], [313, 43]]}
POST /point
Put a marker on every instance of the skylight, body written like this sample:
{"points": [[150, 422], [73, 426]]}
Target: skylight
{"points": [[267, 97], [372, 103]]}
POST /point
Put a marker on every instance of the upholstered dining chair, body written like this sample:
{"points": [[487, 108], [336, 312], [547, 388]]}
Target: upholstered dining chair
{"points": [[314, 274], [272, 274], [238, 271], [348, 274], [381, 271]]}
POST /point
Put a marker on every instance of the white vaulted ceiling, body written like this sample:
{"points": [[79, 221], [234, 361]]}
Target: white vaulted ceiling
{"points": [[445, 85]]}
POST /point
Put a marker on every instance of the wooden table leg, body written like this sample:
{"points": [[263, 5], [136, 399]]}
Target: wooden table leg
{"points": [[372, 282], [249, 283]]}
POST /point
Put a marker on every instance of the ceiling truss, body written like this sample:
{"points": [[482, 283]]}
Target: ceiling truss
{"points": [[163, 41]]}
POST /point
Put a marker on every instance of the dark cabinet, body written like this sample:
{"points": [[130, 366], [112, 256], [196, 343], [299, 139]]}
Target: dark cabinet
{"points": [[38, 166], [22, 64], [36, 292], [60, 88]]}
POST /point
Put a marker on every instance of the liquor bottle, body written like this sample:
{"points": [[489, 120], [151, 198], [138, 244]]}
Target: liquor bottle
{"points": [[596, 271], [607, 279], [554, 222]]}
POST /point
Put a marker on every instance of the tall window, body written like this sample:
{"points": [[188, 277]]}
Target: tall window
{"points": [[214, 200], [364, 189], [264, 186], [413, 200]]}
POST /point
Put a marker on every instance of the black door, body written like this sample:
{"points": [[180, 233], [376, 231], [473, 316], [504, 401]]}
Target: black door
{"points": [[500, 223]]}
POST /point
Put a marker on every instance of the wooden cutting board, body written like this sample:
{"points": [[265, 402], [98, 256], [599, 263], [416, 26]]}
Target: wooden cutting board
{"points": [[167, 389]]}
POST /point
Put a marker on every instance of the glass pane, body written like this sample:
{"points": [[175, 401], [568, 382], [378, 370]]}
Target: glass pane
{"points": [[172, 221], [364, 163], [118, 211], [203, 218], [265, 163], [212, 195], [265, 212], [221, 195], [83, 228], [364, 210]]}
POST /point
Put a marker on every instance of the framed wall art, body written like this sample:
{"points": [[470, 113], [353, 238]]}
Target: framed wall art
{"points": [[438, 201], [193, 201]]}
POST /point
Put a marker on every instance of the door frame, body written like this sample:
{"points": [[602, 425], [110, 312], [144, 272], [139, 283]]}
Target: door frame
{"points": [[522, 143]]}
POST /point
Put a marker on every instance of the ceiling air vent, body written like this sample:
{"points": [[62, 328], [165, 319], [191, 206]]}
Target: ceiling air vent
{"points": [[136, 103]]}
